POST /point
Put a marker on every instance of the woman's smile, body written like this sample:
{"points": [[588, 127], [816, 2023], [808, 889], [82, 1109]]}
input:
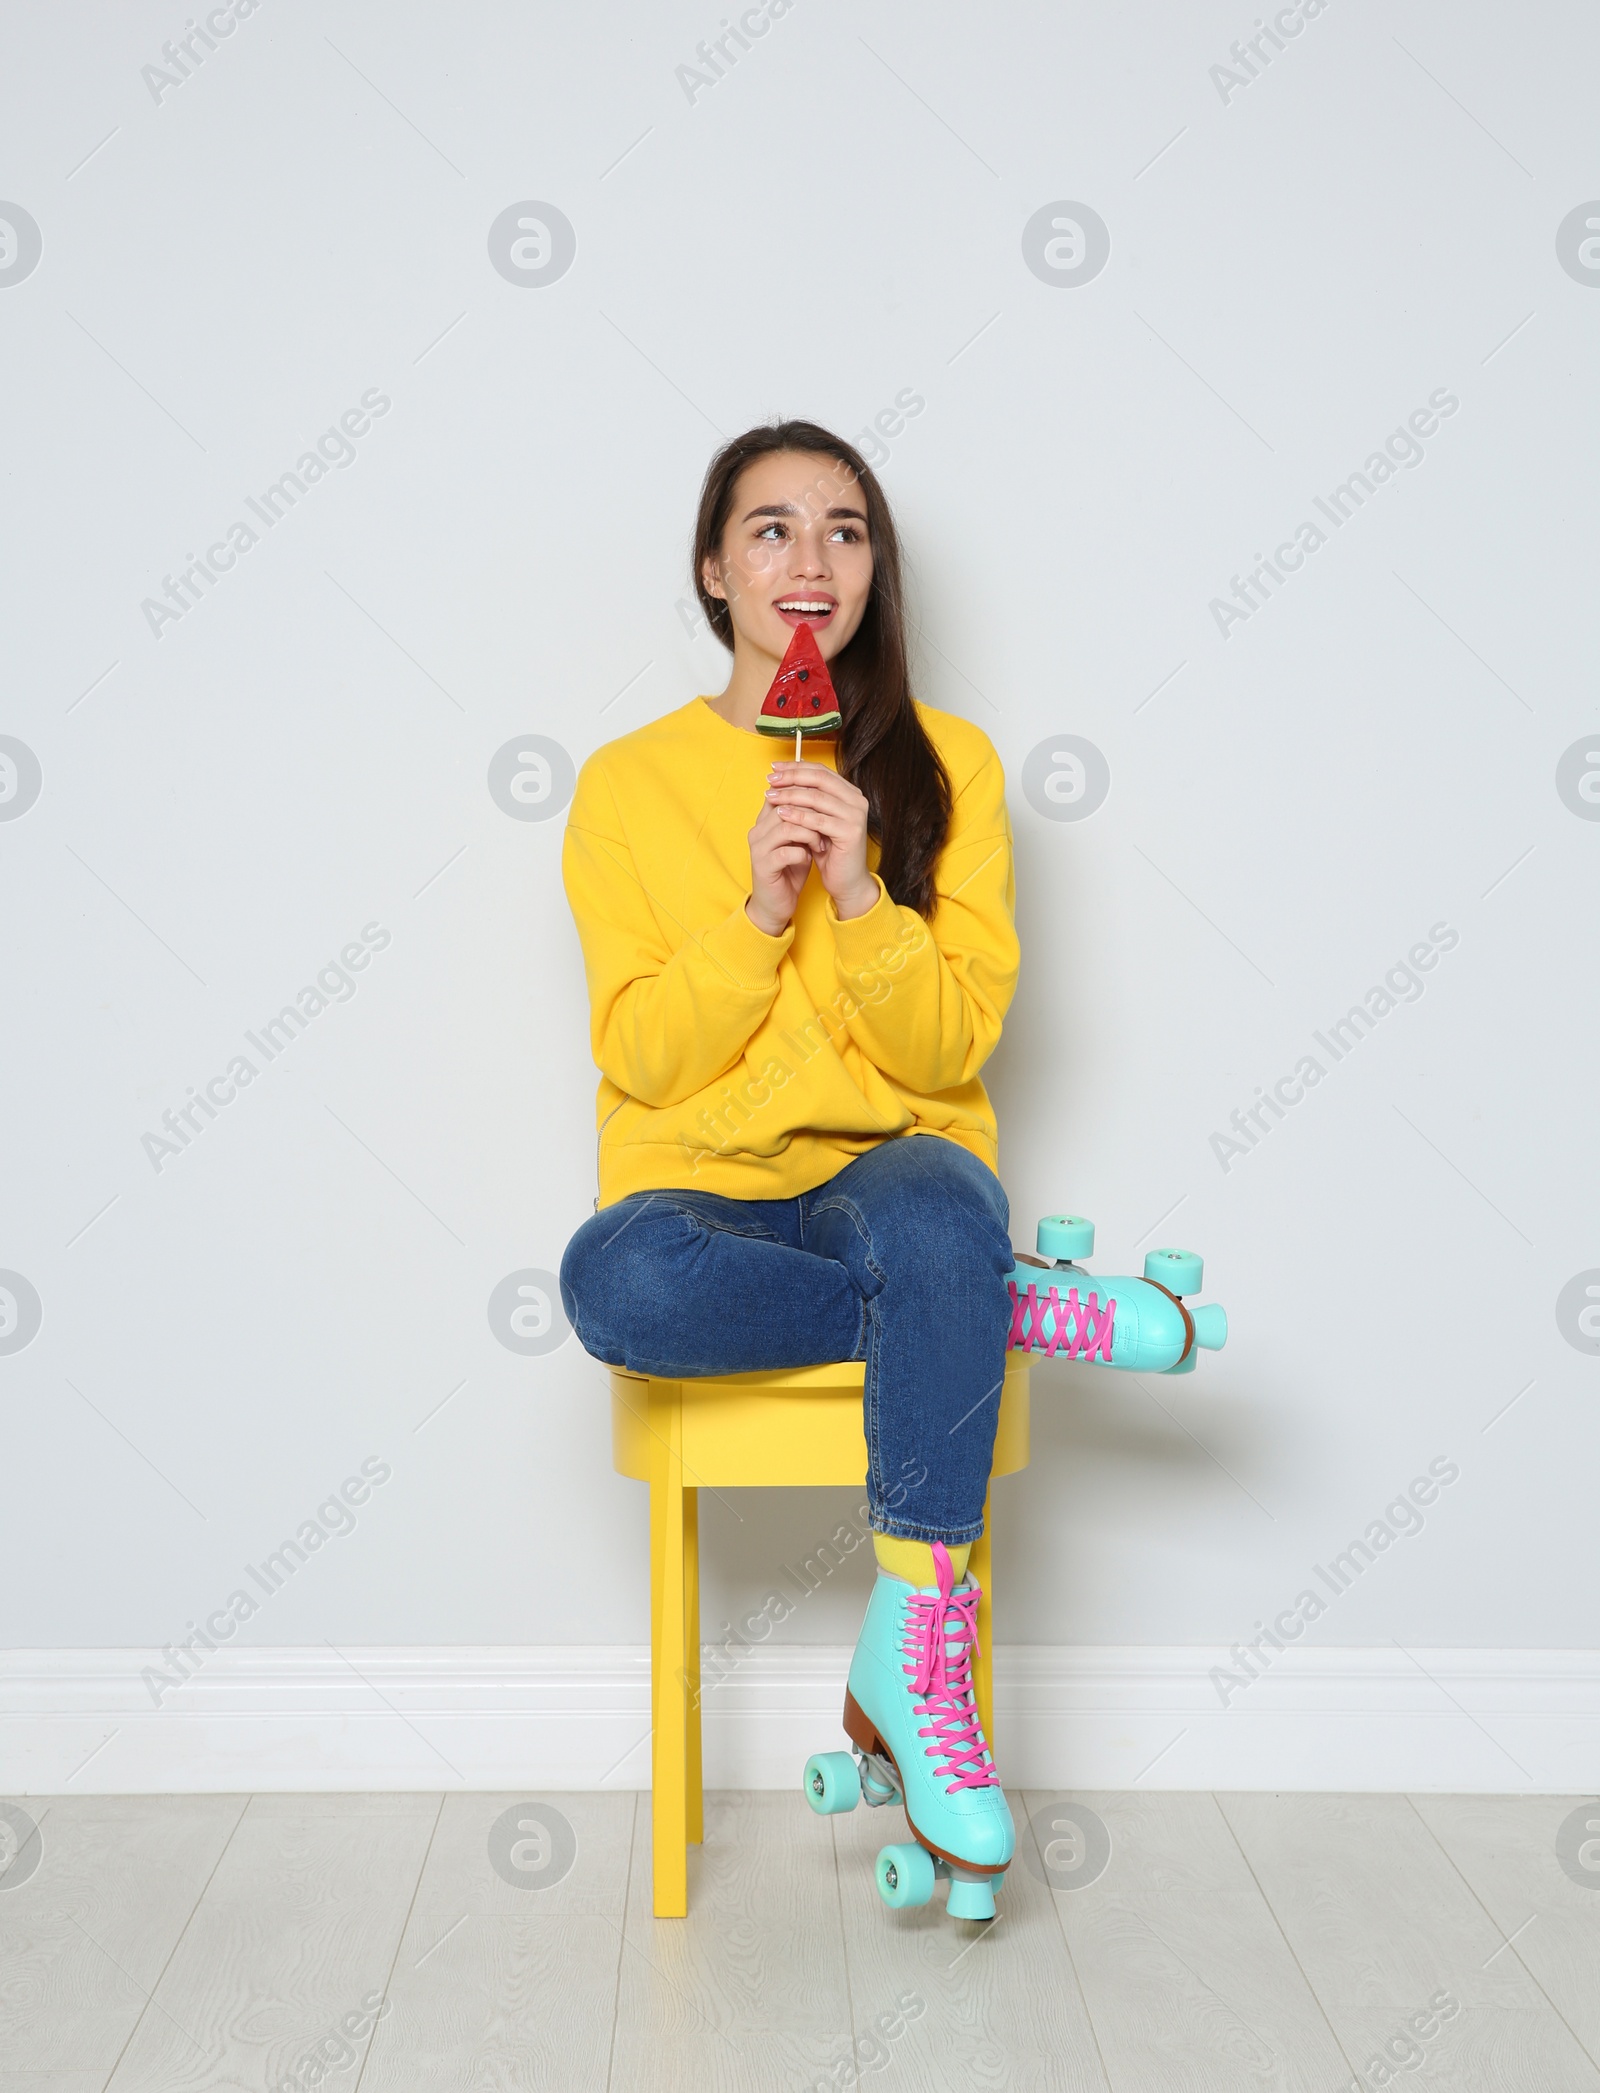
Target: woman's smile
{"points": [[808, 608]]}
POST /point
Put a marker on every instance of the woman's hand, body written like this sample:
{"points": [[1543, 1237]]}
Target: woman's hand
{"points": [[780, 863], [829, 816]]}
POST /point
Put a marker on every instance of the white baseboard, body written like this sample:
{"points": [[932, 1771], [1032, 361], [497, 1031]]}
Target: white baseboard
{"points": [[83, 1721]]}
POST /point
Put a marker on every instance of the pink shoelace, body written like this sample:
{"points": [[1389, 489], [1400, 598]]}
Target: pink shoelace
{"points": [[1091, 1324], [941, 1635]]}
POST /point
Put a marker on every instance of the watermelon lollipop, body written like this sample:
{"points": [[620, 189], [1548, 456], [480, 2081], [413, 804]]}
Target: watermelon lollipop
{"points": [[802, 698]]}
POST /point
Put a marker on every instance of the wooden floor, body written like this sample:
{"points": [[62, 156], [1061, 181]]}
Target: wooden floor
{"points": [[1230, 1941]]}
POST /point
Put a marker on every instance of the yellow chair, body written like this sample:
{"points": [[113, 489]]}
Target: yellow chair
{"points": [[735, 1431]]}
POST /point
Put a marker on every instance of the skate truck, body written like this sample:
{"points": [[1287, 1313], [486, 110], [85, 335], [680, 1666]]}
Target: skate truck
{"points": [[911, 1676], [1061, 1311]]}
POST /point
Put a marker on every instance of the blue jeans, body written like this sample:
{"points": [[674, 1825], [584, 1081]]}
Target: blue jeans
{"points": [[900, 1260]]}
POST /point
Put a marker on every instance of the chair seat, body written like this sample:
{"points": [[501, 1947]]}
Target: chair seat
{"points": [[798, 1426]]}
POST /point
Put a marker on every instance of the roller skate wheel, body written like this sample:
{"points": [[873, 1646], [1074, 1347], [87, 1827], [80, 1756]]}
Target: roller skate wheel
{"points": [[1178, 1271], [1066, 1235], [970, 1900], [832, 1783], [905, 1875]]}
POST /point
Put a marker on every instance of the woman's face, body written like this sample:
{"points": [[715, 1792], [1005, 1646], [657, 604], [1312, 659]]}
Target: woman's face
{"points": [[794, 552]]}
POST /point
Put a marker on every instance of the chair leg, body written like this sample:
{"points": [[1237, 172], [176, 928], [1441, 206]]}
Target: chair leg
{"points": [[981, 1570], [694, 1801], [668, 1698]]}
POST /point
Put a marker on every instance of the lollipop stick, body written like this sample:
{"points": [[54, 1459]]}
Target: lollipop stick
{"points": [[797, 756]]}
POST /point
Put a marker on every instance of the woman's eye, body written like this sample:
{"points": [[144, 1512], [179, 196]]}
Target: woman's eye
{"points": [[769, 527]]}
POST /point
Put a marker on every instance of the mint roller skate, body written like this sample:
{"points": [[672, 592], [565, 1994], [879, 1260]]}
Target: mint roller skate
{"points": [[1059, 1310], [910, 1713]]}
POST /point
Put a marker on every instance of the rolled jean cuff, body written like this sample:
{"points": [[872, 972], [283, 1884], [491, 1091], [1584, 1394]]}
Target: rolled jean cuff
{"points": [[908, 1530]]}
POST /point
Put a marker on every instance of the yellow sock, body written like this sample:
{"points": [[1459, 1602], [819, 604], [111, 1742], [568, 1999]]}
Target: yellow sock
{"points": [[913, 1560]]}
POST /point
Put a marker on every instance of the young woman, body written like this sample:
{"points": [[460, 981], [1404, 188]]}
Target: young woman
{"points": [[796, 972]]}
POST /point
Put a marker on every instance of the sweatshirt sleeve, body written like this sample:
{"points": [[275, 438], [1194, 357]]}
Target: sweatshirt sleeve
{"points": [[930, 996], [671, 1005]]}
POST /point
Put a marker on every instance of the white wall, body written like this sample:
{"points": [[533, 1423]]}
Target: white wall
{"points": [[838, 220]]}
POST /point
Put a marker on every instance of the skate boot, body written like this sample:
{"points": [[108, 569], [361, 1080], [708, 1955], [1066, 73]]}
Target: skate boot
{"points": [[910, 1713], [1062, 1311]]}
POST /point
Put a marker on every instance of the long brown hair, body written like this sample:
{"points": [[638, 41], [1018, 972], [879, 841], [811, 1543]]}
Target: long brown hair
{"points": [[883, 748]]}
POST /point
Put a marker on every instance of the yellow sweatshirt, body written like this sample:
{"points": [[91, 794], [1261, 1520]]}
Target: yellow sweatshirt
{"points": [[757, 1066]]}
